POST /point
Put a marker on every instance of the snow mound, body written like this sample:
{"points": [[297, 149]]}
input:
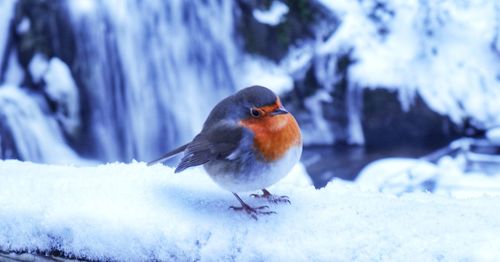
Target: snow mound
{"points": [[135, 212], [449, 176]]}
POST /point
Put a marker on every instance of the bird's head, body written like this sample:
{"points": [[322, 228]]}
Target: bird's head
{"points": [[275, 129], [259, 102], [260, 107]]}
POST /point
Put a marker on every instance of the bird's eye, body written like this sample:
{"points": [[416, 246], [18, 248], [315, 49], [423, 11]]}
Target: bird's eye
{"points": [[255, 112]]}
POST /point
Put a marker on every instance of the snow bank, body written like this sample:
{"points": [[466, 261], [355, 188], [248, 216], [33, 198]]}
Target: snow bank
{"points": [[449, 176], [135, 212]]}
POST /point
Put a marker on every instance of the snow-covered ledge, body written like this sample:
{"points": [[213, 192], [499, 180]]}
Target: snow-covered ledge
{"points": [[136, 212]]}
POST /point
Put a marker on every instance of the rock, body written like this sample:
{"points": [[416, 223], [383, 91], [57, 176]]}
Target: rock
{"points": [[299, 24], [386, 124]]}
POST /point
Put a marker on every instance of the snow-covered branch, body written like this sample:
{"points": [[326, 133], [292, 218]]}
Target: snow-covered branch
{"points": [[132, 211]]}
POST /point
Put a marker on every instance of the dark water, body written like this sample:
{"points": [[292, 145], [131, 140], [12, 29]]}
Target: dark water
{"points": [[323, 163]]}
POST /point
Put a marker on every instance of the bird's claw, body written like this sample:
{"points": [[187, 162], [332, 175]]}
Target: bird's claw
{"points": [[273, 198], [253, 211]]}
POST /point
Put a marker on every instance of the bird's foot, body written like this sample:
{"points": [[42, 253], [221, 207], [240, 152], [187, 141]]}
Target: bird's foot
{"points": [[253, 211], [272, 198]]}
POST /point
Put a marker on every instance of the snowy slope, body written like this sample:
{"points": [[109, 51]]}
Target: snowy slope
{"points": [[135, 212]]}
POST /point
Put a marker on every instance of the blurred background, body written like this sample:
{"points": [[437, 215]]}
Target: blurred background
{"points": [[89, 81]]}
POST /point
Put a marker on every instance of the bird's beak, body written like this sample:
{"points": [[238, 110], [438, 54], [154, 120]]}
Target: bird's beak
{"points": [[279, 111]]}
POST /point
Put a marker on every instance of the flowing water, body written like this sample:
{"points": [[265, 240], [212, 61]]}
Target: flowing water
{"points": [[148, 73], [151, 71]]}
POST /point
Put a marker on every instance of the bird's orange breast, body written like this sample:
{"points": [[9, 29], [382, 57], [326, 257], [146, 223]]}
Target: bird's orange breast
{"points": [[274, 135]]}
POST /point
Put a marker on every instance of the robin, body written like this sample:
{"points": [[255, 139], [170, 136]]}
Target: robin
{"points": [[248, 142]]}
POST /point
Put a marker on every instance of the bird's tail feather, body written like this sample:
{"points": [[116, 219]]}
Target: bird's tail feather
{"points": [[169, 155]]}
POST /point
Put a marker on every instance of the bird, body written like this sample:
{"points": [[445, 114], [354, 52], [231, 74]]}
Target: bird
{"points": [[248, 142]]}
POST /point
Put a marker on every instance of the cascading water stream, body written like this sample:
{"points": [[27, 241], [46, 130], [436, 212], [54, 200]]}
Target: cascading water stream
{"points": [[147, 75], [151, 71], [6, 14]]}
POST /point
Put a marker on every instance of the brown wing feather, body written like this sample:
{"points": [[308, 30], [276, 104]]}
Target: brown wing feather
{"points": [[216, 142]]}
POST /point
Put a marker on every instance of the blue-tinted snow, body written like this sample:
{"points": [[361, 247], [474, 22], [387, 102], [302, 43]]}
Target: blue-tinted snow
{"points": [[136, 212]]}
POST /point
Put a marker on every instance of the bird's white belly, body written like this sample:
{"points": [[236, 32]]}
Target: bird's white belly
{"points": [[257, 176]]}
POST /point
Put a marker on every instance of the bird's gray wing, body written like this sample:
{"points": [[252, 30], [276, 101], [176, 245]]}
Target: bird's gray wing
{"points": [[169, 155], [216, 142]]}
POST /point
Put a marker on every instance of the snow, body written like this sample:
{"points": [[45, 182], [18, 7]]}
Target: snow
{"points": [[38, 66], [442, 50], [273, 16], [493, 135], [259, 71], [448, 177], [24, 26], [135, 212], [61, 88]]}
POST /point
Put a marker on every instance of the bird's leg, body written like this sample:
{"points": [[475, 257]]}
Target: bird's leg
{"points": [[272, 198], [252, 211]]}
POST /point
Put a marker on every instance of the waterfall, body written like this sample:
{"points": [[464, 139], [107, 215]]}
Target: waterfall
{"points": [[6, 14], [151, 71], [147, 72], [37, 136]]}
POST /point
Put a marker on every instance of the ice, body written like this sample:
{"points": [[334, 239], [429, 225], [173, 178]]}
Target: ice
{"points": [[273, 16], [319, 131], [354, 107], [135, 212], [297, 62]]}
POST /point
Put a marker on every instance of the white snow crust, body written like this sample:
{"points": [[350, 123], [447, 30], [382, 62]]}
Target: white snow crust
{"points": [[135, 212]]}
